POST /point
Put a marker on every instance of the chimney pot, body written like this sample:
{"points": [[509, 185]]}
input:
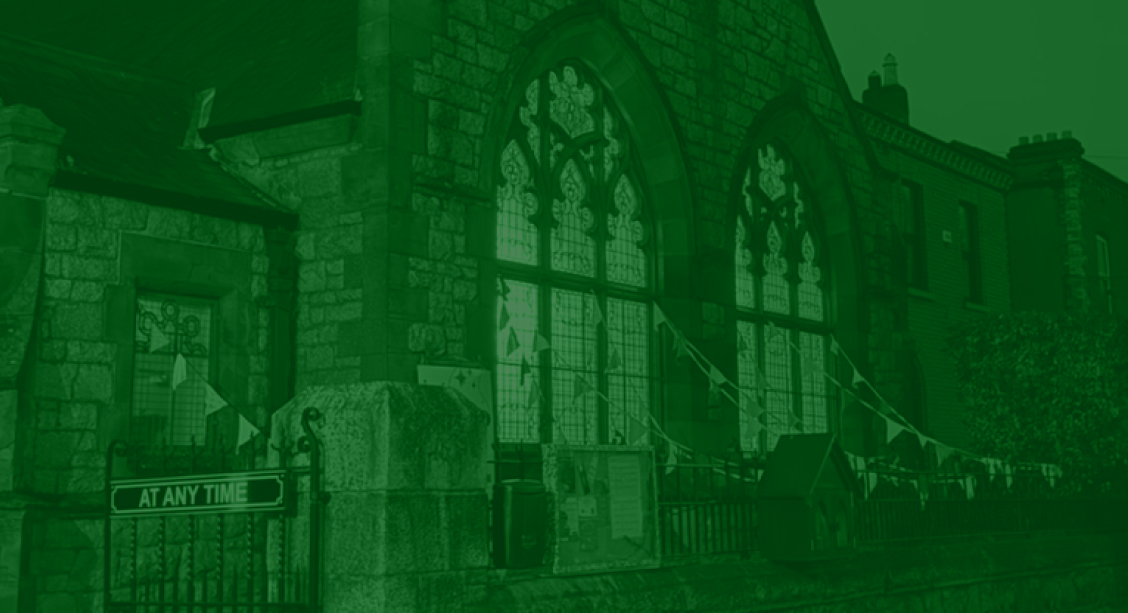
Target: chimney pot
{"points": [[874, 80], [1051, 136], [1024, 140], [1067, 134], [890, 69], [1037, 138]]}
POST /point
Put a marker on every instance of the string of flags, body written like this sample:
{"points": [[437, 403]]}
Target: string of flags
{"points": [[212, 400], [753, 407]]}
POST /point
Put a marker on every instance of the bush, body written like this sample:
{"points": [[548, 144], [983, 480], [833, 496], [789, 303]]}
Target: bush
{"points": [[1046, 387]]}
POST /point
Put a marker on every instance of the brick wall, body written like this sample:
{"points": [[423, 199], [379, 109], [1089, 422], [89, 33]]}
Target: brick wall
{"points": [[931, 313]]}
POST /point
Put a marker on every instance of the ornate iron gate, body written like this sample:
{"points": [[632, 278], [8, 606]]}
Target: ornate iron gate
{"points": [[204, 529]]}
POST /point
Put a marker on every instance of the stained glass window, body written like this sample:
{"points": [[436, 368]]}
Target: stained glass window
{"points": [[572, 249], [781, 303], [169, 407]]}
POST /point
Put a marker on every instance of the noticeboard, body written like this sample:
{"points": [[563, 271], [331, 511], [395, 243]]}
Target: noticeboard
{"points": [[218, 493], [605, 514]]}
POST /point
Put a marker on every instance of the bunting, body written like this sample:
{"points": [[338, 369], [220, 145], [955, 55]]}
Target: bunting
{"points": [[716, 376], [969, 486], [858, 379], [540, 343], [580, 386], [679, 346], [741, 344], [892, 429], [212, 400], [179, 371], [942, 452], [513, 345], [503, 319], [246, 430], [636, 430], [503, 289], [534, 395], [614, 361], [659, 317], [598, 314], [526, 369], [834, 348], [157, 338], [671, 458]]}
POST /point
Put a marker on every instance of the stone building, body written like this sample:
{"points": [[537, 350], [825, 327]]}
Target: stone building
{"points": [[219, 215]]}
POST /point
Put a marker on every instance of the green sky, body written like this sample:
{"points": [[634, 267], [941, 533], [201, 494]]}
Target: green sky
{"points": [[986, 72]]}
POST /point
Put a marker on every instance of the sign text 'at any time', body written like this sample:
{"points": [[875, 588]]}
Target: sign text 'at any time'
{"points": [[230, 492]]}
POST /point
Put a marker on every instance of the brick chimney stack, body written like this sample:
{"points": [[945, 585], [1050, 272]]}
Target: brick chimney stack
{"points": [[889, 97]]}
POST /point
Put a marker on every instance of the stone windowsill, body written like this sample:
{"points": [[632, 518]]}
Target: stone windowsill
{"points": [[975, 306]]}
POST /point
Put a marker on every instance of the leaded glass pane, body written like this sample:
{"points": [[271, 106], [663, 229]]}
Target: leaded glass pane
{"points": [[777, 294], [810, 295], [626, 262], [815, 398], [777, 368], [628, 368], [574, 373], [518, 397], [746, 378], [165, 327], [517, 238], [772, 169], [570, 102], [527, 114], [613, 149], [573, 249], [745, 279]]}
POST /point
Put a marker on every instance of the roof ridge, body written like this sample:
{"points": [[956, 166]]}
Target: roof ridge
{"points": [[68, 58]]}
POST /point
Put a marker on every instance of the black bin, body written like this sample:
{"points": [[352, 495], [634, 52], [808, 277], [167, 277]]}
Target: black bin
{"points": [[520, 523]]}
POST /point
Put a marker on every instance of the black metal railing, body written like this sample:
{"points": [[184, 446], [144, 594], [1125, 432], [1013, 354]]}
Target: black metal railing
{"points": [[905, 506], [240, 561], [707, 505]]}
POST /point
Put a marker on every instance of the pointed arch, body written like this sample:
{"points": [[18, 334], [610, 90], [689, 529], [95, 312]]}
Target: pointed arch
{"points": [[585, 128], [796, 275]]}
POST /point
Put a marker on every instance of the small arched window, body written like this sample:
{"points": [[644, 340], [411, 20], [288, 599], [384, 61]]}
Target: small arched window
{"points": [[782, 324], [574, 266]]}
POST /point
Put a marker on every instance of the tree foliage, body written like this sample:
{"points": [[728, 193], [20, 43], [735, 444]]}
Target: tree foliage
{"points": [[1043, 387]]}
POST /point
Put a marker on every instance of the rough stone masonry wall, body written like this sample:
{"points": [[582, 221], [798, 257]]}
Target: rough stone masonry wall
{"points": [[717, 64], [76, 378]]}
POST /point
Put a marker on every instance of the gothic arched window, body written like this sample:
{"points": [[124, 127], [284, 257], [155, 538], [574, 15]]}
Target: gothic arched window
{"points": [[573, 267], [784, 335]]}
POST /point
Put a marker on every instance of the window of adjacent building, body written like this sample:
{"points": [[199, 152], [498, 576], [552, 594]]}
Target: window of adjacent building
{"points": [[909, 212], [574, 269], [1103, 275], [970, 250], [783, 329], [165, 326]]}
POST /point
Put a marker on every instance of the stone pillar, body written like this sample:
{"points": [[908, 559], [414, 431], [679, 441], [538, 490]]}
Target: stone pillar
{"points": [[405, 466], [28, 149]]}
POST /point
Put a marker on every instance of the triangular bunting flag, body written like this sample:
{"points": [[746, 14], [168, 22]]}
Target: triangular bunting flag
{"points": [[1008, 470], [659, 316], [969, 486], [580, 386], [525, 369], [942, 452], [871, 482], [246, 431], [679, 346], [179, 371], [834, 348], [892, 429], [614, 361], [636, 430], [502, 289], [761, 380], [922, 439], [992, 467], [741, 344], [534, 395], [212, 400], [157, 338], [671, 458], [598, 314], [503, 319], [716, 376], [540, 343], [858, 378], [514, 344]]}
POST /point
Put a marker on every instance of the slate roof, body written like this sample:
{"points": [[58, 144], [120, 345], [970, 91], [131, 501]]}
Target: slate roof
{"points": [[264, 57], [122, 125]]}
